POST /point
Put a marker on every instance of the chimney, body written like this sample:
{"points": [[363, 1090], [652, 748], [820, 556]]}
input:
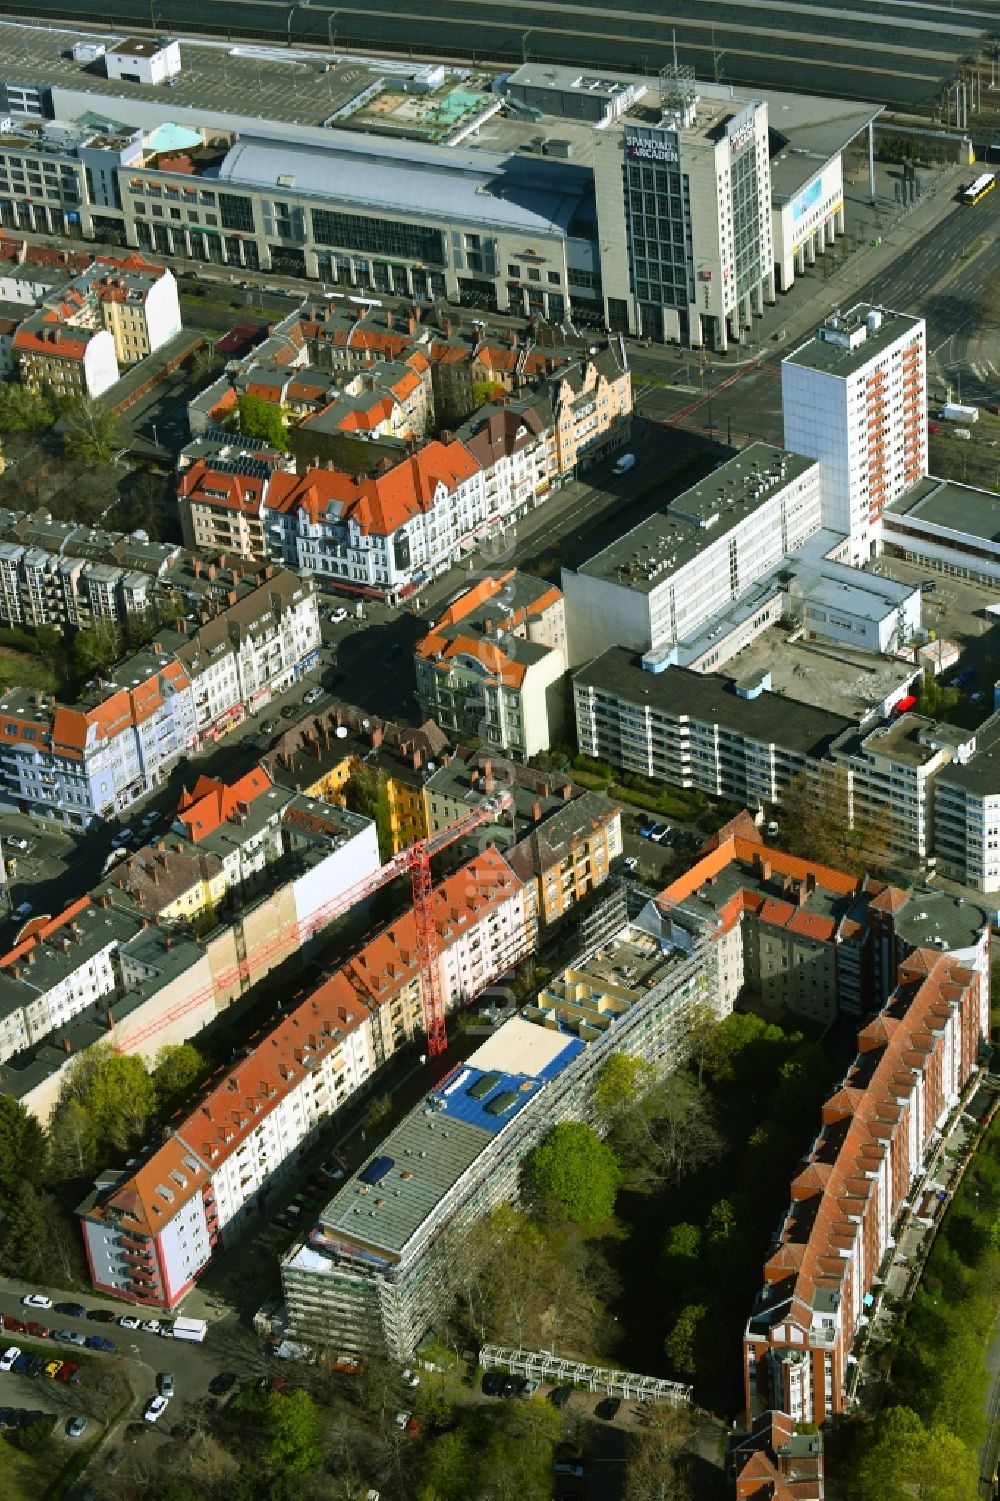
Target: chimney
{"points": [[567, 793], [197, 568], [389, 321], [446, 325], [268, 571], [488, 778], [810, 880], [109, 1019], [418, 759], [763, 867], [168, 942], [412, 322], [231, 597], [376, 737], [211, 570], [546, 789], [67, 1046], [222, 560], [156, 647], [536, 812], [474, 777]]}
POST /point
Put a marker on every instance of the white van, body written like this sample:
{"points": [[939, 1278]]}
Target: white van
{"points": [[625, 463]]}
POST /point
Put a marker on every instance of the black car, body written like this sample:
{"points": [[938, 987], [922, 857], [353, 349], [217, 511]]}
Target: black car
{"points": [[71, 1310], [289, 711], [609, 1408], [493, 1383], [222, 1383], [560, 1395], [101, 1315], [36, 1364]]}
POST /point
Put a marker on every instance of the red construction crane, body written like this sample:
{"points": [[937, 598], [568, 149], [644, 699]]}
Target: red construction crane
{"points": [[415, 859]]}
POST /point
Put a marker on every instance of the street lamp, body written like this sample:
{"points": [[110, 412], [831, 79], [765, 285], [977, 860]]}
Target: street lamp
{"points": [[330, 29], [291, 14]]}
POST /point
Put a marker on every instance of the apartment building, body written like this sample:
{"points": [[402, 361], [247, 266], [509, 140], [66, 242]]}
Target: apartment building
{"points": [[854, 397], [493, 664], [324, 754], [775, 1462], [808, 939], [726, 738], [147, 1241], [135, 301], [868, 1162], [60, 967], [966, 814], [888, 777], [258, 644], [378, 1269], [69, 359], [192, 685], [591, 406], [149, 1233], [569, 854], [654, 587], [63, 574]]}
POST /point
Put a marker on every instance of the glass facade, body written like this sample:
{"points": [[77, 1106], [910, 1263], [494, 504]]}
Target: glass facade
{"points": [[658, 221], [412, 242], [746, 219]]}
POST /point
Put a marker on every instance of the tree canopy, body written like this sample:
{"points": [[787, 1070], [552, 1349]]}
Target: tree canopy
{"points": [[257, 418], [576, 1172], [115, 1090], [901, 1460], [92, 432]]}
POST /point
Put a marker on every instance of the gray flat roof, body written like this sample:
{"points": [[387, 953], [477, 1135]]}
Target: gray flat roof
{"points": [[410, 177], [681, 694], [835, 358], [958, 508], [931, 918], [644, 558]]}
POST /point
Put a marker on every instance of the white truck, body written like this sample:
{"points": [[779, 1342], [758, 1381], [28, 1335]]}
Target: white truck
{"points": [[192, 1329], [952, 412]]}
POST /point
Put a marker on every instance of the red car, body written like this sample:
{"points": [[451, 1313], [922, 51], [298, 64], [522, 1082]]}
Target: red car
{"points": [[932, 427], [67, 1371], [15, 1326], [38, 1331]]}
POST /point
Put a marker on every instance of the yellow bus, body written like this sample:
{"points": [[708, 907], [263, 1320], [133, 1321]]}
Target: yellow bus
{"points": [[982, 185]]}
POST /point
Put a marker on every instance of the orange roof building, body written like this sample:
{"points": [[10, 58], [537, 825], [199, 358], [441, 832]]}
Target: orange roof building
{"points": [[494, 658], [155, 1231], [808, 938], [914, 1061]]}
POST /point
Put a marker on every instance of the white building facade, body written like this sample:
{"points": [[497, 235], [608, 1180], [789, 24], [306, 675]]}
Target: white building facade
{"points": [[855, 398]]}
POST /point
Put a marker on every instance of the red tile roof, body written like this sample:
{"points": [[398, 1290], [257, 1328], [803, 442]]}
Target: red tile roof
{"points": [[211, 801]]}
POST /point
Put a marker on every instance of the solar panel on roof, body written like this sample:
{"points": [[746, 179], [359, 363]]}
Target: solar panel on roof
{"points": [[482, 1087], [250, 467], [376, 1170]]}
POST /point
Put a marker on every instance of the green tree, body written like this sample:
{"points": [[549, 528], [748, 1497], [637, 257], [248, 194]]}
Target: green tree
{"points": [[296, 1438], [72, 1141], [204, 365], [92, 434], [115, 1090], [26, 1231], [681, 1344], [22, 1148], [24, 410], [379, 1111], [95, 648], [367, 792], [901, 1460], [177, 1069], [576, 1172], [256, 418], [517, 1458], [934, 699], [449, 1463], [658, 1457], [622, 1083]]}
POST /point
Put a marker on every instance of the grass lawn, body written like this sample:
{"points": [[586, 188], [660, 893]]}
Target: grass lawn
{"points": [[23, 670]]}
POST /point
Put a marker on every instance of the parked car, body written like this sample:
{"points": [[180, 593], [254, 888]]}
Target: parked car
{"points": [[101, 1315], [16, 842], [410, 1378], [222, 1383], [71, 1310], [101, 1342], [608, 1408], [129, 1321], [408, 1423], [36, 1300], [336, 616], [631, 863], [560, 1395], [76, 1426], [289, 711], [330, 1169], [312, 695], [269, 726], [492, 1384], [8, 1358], [53, 1368], [37, 1331], [15, 1326], [151, 1326], [70, 1374], [165, 1382], [660, 833], [155, 1408], [122, 837]]}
